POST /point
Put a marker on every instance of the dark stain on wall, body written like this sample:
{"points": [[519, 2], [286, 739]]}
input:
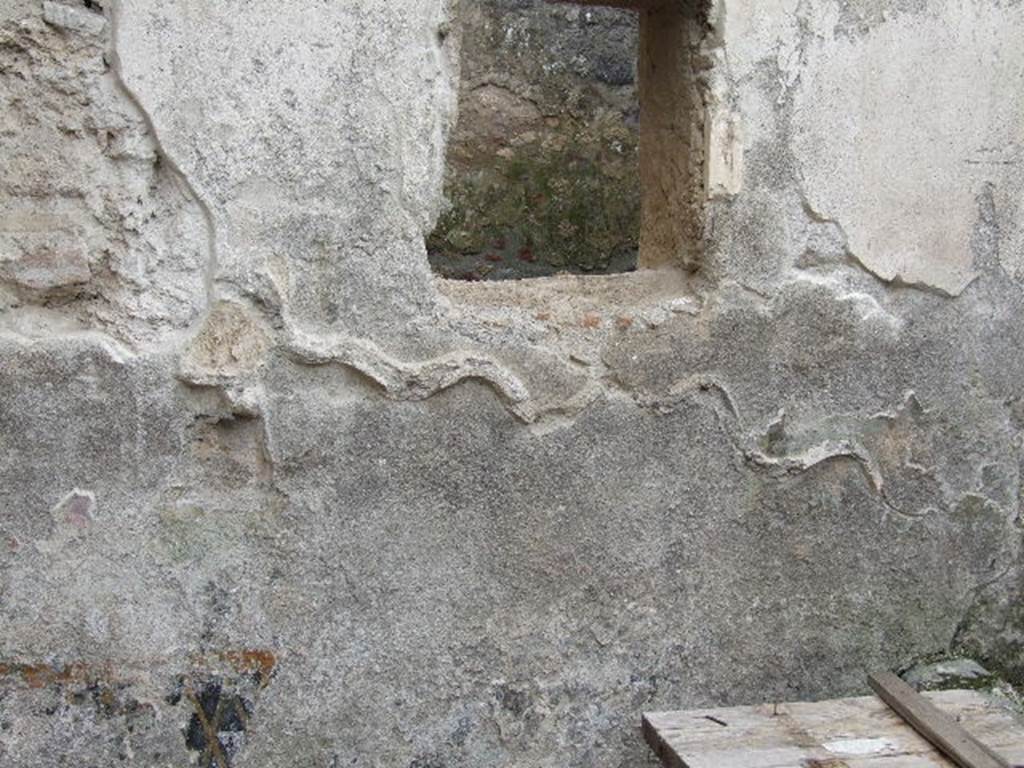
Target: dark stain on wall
{"points": [[222, 705]]}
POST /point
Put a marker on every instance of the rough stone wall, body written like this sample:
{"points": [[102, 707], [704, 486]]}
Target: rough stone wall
{"points": [[271, 494], [542, 170], [92, 224]]}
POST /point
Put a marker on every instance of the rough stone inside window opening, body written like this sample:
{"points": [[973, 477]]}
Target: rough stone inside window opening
{"points": [[577, 147]]}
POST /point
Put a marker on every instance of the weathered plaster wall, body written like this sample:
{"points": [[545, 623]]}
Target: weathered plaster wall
{"points": [[270, 494]]}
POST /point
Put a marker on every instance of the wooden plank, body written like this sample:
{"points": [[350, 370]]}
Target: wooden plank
{"points": [[859, 732], [934, 724]]}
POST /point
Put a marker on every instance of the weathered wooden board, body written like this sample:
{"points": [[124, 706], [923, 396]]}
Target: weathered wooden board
{"points": [[936, 725], [845, 733]]}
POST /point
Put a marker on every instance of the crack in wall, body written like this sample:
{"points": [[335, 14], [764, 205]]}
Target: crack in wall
{"points": [[896, 280], [114, 14], [765, 449], [746, 443]]}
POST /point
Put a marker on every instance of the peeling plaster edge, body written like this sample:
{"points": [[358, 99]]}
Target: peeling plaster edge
{"points": [[822, 453], [445, 48], [746, 442], [117, 69], [695, 384], [411, 381], [867, 306], [545, 419], [74, 493], [114, 349], [418, 381], [894, 280], [897, 280], [828, 450]]}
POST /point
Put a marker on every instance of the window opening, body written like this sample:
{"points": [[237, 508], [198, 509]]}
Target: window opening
{"points": [[577, 143]]}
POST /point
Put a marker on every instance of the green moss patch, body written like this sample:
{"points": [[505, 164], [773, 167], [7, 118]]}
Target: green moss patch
{"points": [[569, 203]]}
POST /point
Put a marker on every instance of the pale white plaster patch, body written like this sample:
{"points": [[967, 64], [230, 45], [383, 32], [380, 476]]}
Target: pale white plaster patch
{"points": [[723, 138], [850, 747], [889, 146]]}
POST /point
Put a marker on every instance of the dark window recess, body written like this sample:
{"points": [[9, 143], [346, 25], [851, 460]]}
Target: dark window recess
{"points": [[577, 143]]}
